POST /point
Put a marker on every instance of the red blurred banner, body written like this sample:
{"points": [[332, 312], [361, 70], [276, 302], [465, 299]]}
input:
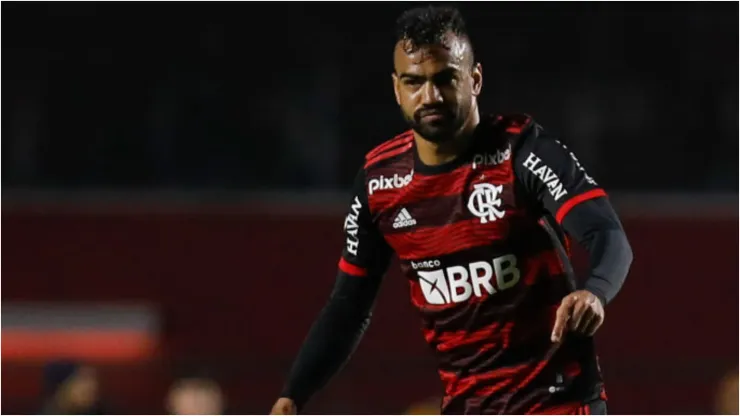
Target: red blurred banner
{"points": [[240, 290]]}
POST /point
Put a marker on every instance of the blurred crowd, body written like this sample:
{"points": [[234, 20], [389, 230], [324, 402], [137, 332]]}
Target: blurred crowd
{"points": [[74, 388]]}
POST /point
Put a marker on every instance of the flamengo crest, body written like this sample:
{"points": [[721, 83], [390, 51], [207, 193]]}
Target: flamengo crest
{"points": [[484, 202]]}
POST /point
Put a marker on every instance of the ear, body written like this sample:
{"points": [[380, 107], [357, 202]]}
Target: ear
{"points": [[477, 77], [396, 87]]}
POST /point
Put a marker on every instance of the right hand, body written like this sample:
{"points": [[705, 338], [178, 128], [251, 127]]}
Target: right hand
{"points": [[284, 406]]}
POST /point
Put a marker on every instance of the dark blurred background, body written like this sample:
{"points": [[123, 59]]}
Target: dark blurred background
{"points": [[174, 176]]}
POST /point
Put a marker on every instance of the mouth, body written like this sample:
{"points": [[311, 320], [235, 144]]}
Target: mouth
{"points": [[432, 116]]}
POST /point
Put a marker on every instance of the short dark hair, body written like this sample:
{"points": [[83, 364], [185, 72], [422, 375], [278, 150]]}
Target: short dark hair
{"points": [[429, 25]]}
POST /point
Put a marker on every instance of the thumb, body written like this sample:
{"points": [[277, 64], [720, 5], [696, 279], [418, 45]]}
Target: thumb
{"points": [[284, 406], [561, 320]]}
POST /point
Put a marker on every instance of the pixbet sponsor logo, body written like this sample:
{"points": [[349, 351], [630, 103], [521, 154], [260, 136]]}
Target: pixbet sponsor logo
{"points": [[492, 159], [394, 182], [456, 284]]}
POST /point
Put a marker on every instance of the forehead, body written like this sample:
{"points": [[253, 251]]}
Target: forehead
{"points": [[452, 53]]}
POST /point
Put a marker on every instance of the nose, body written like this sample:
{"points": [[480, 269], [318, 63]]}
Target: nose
{"points": [[430, 94]]}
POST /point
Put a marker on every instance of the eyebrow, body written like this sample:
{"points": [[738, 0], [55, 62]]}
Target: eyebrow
{"points": [[446, 71]]}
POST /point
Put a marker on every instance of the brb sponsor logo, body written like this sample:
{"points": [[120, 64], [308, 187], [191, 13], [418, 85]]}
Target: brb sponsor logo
{"points": [[426, 264], [457, 284], [382, 182], [492, 159]]}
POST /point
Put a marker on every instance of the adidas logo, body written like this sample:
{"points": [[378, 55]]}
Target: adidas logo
{"points": [[403, 219]]}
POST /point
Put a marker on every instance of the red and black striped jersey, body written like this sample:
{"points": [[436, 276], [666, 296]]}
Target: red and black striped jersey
{"points": [[484, 274]]}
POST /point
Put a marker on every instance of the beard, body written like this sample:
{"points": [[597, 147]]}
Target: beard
{"points": [[437, 131]]}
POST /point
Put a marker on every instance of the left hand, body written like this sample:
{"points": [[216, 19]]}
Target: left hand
{"points": [[581, 312]]}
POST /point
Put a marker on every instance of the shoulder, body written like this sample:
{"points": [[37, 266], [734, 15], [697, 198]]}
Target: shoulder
{"points": [[390, 149], [516, 129], [389, 167], [522, 133], [513, 123]]}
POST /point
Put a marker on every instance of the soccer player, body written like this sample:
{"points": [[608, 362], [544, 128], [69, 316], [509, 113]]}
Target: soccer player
{"points": [[477, 210]]}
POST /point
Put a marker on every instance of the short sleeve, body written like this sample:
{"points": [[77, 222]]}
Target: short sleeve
{"points": [[552, 174], [365, 250]]}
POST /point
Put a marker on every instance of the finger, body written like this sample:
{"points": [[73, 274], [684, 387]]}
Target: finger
{"points": [[594, 325], [588, 317], [558, 329], [580, 311], [561, 320]]}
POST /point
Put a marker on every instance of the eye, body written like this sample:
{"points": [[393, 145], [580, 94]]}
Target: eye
{"points": [[445, 78], [413, 82]]}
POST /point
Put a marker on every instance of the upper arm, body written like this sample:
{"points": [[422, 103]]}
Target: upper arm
{"points": [[552, 175], [365, 251]]}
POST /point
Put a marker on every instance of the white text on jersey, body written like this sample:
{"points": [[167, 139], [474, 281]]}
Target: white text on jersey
{"points": [[548, 177], [352, 226], [382, 182], [457, 284], [488, 159], [403, 219]]}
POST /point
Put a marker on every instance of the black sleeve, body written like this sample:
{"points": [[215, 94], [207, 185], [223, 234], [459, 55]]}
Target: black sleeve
{"points": [[595, 226], [552, 175], [344, 319]]}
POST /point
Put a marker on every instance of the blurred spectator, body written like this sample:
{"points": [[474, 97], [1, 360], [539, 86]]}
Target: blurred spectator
{"points": [[727, 395], [430, 406], [70, 389], [195, 395]]}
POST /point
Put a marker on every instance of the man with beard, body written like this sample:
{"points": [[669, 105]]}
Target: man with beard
{"points": [[478, 210]]}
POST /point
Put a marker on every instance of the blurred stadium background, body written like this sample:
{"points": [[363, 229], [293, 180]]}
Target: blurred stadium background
{"points": [[174, 176]]}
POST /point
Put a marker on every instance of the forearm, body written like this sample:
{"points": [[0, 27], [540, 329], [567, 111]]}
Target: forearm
{"points": [[610, 256], [332, 339], [595, 226]]}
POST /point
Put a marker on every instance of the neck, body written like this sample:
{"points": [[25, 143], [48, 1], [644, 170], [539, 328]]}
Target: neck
{"points": [[432, 153]]}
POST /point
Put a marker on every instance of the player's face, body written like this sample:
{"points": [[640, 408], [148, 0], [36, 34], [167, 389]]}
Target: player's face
{"points": [[436, 86]]}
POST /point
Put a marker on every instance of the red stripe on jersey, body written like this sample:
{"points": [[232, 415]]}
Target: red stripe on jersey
{"points": [[389, 154], [516, 127], [350, 268], [451, 340], [549, 259], [572, 408], [538, 368], [424, 187], [535, 407], [399, 140], [496, 388], [455, 386], [501, 335], [569, 204], [439, 241]]}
